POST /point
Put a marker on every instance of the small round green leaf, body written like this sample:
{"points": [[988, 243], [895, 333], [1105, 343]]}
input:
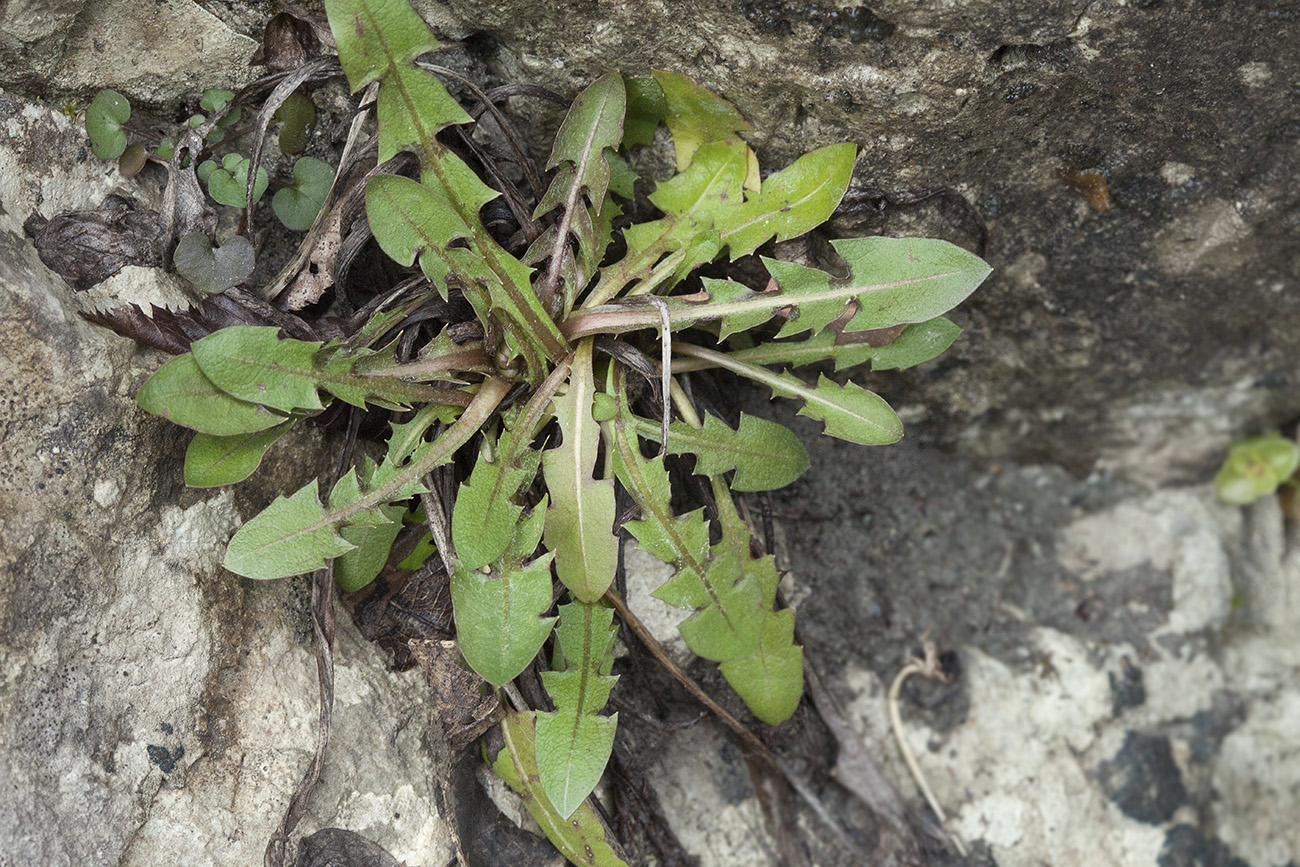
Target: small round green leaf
{"points": [[1255, 468], [228, 182], [213, 269], [215, 100], [297, 116], [298, 205], [105, 116], [165, 148]]}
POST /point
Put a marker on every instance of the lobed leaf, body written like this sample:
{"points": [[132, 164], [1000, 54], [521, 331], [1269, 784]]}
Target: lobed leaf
{"points": [[212, 461], [484, 516], [499, 622], [729, 623], [373, 36], [894, 280], [179, 392], [253, 363], [791, 202], [891, 281], [850, 411], [769, 675], [771, 679], [580, 836], [371, 533], [411, 219], [289, 537], [729, 605], [594, 122], [297, 535], [918, 343], [915, 344], [411, 107], [574, 742], [695, 115], [690, 201], [764, 454]]}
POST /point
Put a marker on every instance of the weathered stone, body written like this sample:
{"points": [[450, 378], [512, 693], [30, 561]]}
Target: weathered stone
{"points": [[154, 52], [155, 709]]}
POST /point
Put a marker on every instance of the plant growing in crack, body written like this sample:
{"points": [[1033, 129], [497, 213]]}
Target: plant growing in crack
{"points": [[563, 378]]}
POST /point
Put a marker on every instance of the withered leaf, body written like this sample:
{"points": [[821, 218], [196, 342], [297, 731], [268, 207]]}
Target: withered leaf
{"points": [[88, 247], [174, 330], [291, 38], [395, 610], [464, 706], [337, 847]]}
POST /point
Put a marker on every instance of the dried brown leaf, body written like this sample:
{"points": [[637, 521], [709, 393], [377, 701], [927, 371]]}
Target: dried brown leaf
{"points": [[88, 247]]}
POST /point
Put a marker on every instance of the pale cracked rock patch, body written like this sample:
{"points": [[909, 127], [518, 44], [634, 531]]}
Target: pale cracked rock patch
{"points": [[1106, 754]]}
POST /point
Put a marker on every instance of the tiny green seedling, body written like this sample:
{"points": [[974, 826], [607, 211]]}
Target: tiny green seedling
{"points": [[107, 113], [298, 205], [228, 180], [213, 269], [225, 176], [563, 392], [1256, 468]]}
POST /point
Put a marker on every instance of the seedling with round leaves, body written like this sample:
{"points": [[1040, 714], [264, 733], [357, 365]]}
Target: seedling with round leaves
{"points": [[1257, 467], [227, 180]]}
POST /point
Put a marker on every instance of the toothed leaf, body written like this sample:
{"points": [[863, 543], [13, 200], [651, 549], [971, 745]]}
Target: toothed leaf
{"points": [[371, 533], [791, 202], [290, 536], [580, 524], [375, 35], [594, 122], [574, 742], [580, 836], [499, 622], [771, 679], [485, 514], [695, 115], [764, 454], [405, 88]]}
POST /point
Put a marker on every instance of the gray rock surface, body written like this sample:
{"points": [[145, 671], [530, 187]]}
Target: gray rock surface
{"points": [[154, 709], [154, 52], [1128, 646]]}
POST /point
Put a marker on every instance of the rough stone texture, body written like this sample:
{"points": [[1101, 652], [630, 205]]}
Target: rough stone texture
{"points": [[153, 708], [1127, 654], [150, 51], [1128, 646]]}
